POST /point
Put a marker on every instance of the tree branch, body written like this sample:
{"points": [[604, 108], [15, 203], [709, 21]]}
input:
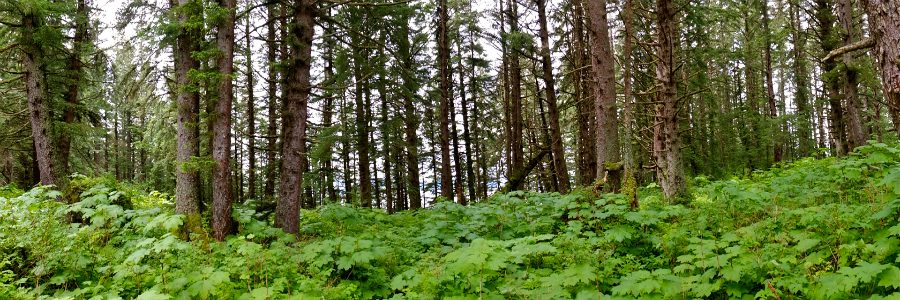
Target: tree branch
{"points": [[863, 44]]}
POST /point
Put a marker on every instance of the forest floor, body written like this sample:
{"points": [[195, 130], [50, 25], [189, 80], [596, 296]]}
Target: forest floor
{"points": [[813, 229]]}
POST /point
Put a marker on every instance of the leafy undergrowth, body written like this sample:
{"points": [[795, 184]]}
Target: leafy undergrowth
{"points": [[814, 229]]}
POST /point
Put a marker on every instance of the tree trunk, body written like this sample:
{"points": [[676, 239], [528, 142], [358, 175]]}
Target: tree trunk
{"points": [[666, 141], [251, 116], [443, 45], [411, 118], [360, 58], [856, 135], [467, 135], [602, 62], [884, 23], [770, 85], [517, 160], [295, 116], [585, 160], [825, 19], [38, 108], [272, 91], [187, 179], [801, 82], [629, 184], [556, 141], [222, 196], [72, 92]]}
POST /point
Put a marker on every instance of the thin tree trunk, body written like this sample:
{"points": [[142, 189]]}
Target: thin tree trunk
{"points": [[251, 116], [467, 135], [629, 185], [362, 127], [411, 118], [770, 85], [556, 140], [801, 82], [443, 45], [829, 41], [586, 158], [517, 160], [272, 91], [72, 92]]}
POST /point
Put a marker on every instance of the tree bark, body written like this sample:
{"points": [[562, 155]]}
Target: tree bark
{"points": [[585, 161], [72, 92], [629, 184], [884, 23], [517, 159], [602, 62], [443, 45], [777, 149], [38, 108], [856, 135], [825, 20], [187, 179], [272, 105], [287, 212], [251, 116], [411, 118], [222, 197], [801, 82], [666, 140], [556, 141], [360, 59]]}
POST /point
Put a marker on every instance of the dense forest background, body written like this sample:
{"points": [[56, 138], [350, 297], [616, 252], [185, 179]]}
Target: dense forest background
{"points": [[397, 105]]}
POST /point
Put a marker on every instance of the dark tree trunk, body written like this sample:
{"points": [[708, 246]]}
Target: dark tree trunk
{"points": [[517, 160], [770, 85], [362, 126], [825, 20], [272, 91], [287, 213], [801, 81], [585, 160], [629, 185], [556, 141], [222, 196], [467, 135], [443, 45], [72, 92], [411, 118]]}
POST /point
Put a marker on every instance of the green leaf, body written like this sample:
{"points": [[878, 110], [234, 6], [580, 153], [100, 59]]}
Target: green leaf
{"points": [[153, 295]]}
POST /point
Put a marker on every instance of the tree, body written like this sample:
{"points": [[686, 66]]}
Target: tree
{"points": [[666, 139], [38, 110], [556, 144], [884, 21], [188, 102], [222, 190], [443, 45], [287, 214], [604, 94]]}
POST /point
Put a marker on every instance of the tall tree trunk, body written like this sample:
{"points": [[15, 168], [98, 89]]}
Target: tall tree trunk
{"points": [[856, 135], [222, 196], [629, 184], [517, 158], [825, 20], [38, 108], [187, 179], [410, 116], [272, 105], [454, 136], [467, 135], [443, 45], [287, 212], [801, 82], [386, 135], [602, 62], [328, 111], [770, 85], [666, 141], [251, 115], [72, 93], [585, 160], [884, 23], [360, 59], [556, 141]]}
